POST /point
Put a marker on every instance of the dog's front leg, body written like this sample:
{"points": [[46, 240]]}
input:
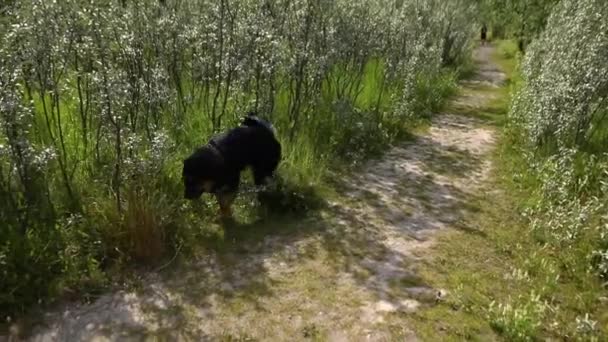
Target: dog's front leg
{"points": [[225, 200]]}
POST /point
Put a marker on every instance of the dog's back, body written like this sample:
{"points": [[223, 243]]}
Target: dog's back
{"points": [[251, 120], [253, 143]]}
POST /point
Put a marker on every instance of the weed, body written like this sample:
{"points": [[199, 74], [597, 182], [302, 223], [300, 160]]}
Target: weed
{"points": [[518, 321]]}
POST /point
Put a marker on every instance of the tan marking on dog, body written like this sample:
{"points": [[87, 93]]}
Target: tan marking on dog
{"points": [[208, 185]]}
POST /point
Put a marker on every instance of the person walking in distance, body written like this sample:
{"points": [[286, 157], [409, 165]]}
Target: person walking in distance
{"points": [[484, 33]]}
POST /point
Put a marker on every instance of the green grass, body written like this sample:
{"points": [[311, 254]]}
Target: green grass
{"points": [[506, 56], [502, 282], [494, 111]]}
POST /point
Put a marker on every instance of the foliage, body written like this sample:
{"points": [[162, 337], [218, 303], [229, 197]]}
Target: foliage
{"points": [[522, 20], [558, 125], [561, 112], [564, 101], [100, 101]]}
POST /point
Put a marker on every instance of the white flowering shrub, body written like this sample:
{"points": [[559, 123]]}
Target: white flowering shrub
{"points": [[101, 100], [560, 114], [564, 100]]}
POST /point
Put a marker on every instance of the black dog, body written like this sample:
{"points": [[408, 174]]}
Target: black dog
{"points": [[216, 168]]}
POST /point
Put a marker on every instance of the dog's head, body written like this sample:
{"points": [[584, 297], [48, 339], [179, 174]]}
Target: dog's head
{"points": [[200, 173]]}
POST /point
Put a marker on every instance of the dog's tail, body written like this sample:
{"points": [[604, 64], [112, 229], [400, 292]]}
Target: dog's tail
{"points": [[252, 120]]}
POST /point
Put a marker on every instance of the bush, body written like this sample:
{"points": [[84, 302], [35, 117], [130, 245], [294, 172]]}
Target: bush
{"points": [[558, 119], [560, 110], [563, 102]]}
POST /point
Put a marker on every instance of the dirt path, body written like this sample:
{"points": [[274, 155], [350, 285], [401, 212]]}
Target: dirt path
{"points": [[348, 275]]}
